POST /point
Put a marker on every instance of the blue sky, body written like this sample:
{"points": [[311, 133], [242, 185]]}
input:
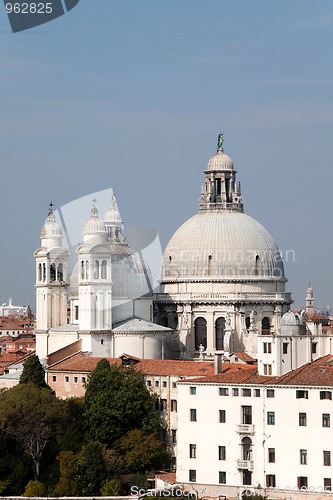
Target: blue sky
{"points": [[132, 94]]}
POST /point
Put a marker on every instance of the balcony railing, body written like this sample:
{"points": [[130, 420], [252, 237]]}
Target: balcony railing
{"points": [[245, 428], [245, 464]]}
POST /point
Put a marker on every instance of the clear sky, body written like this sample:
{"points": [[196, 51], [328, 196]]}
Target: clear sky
{"points": [[131, 95]]}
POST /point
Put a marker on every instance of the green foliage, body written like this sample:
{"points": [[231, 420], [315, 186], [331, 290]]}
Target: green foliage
{"points": [[33, 415], [90, 469], [111, 488], [116, 402], [67, 485], [143, 452], [33, 372], [35, 489]]}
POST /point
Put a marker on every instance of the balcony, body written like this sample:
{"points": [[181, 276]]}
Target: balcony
{"points": [[245, 429], [245, 465]]}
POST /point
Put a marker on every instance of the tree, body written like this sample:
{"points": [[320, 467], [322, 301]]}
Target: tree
{"points": [[117, 402], [90, 469], [35, 489], [33, 372], [67, 485], [143, 452], [34, 416]]}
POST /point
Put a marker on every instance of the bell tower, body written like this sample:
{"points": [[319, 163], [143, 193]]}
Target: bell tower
{"points": [[51, 279]]}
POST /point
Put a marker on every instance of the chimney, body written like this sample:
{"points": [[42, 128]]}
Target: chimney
{"points": [[218, 362]]}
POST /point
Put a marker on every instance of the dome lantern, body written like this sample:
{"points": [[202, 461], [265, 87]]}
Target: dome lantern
{"points": [[220, 190]]}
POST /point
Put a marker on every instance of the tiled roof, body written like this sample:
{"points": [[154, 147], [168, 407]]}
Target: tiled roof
{"points": [[80, 362], [244, 357], [234, 373], [167, 477]]}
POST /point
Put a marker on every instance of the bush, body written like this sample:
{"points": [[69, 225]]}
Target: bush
{"points": [[35, 489]]}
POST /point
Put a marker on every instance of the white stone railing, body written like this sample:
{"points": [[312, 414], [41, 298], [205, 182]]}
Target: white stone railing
{"points": [[245, 464]]}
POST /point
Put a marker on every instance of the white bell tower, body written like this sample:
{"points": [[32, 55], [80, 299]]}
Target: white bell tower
{"points": [[51, 280]]}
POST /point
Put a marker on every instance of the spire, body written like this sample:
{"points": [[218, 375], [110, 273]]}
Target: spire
{"points": [[220, 142]]}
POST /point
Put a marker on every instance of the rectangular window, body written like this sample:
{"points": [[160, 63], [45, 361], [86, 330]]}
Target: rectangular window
{"points": [[54, 378], [300, 394], [193, 451], [173, 405], [164, 383], [76, 312], [174, 385], [327, 484], [235, 391], [163, 404], [222, 453], [267, 369], [222, 477], [270, 481], [257, 393], [66, 379], [303, 455], [326, 420], [270, 393], [267, 347], [83, 380], [302, 419], [302, 482], [285, 348], [192, 475], [246, 393], [314, 347], [327, 457], [222, 416], [193, 415], [223, 391], [271, 455], [75, 380], [247, 415], [193, 391], [174, 436], [149, 383], [270, 418], [325, 394], [157, 383]]}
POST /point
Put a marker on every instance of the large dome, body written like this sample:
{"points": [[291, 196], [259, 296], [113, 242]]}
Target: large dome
{"points": [[221, 245]]}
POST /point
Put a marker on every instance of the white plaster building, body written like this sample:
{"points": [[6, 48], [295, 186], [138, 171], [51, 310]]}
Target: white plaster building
{"points": [[222, 276], [268, 435], [110, 294]]}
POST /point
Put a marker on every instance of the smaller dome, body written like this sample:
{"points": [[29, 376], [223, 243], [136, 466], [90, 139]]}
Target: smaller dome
{"points": [[220, 161], [94, 225], [291, 324], [112, 214], [51, 229]]}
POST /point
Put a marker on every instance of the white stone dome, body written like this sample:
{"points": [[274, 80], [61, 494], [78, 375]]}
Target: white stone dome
{"points": [[220, 161], [291, 324], [94, 225], [222, 245], [112, 215], [51, 229]]}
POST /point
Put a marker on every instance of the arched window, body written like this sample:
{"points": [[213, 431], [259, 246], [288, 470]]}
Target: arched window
{"points": [[60, 272], [44, 272], [52, 272], [82, 269], [257, 268], [219, 333], [104, 270], [40, 272], [164, 321], [87, 269], [247, 448], [96, 269], [247, 322], [265, 326], [200, 333]]}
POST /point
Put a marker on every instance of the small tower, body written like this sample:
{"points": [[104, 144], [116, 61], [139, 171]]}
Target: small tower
{"points": [[51, 276], [221, 191], [94, 277], [309, 302]]}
